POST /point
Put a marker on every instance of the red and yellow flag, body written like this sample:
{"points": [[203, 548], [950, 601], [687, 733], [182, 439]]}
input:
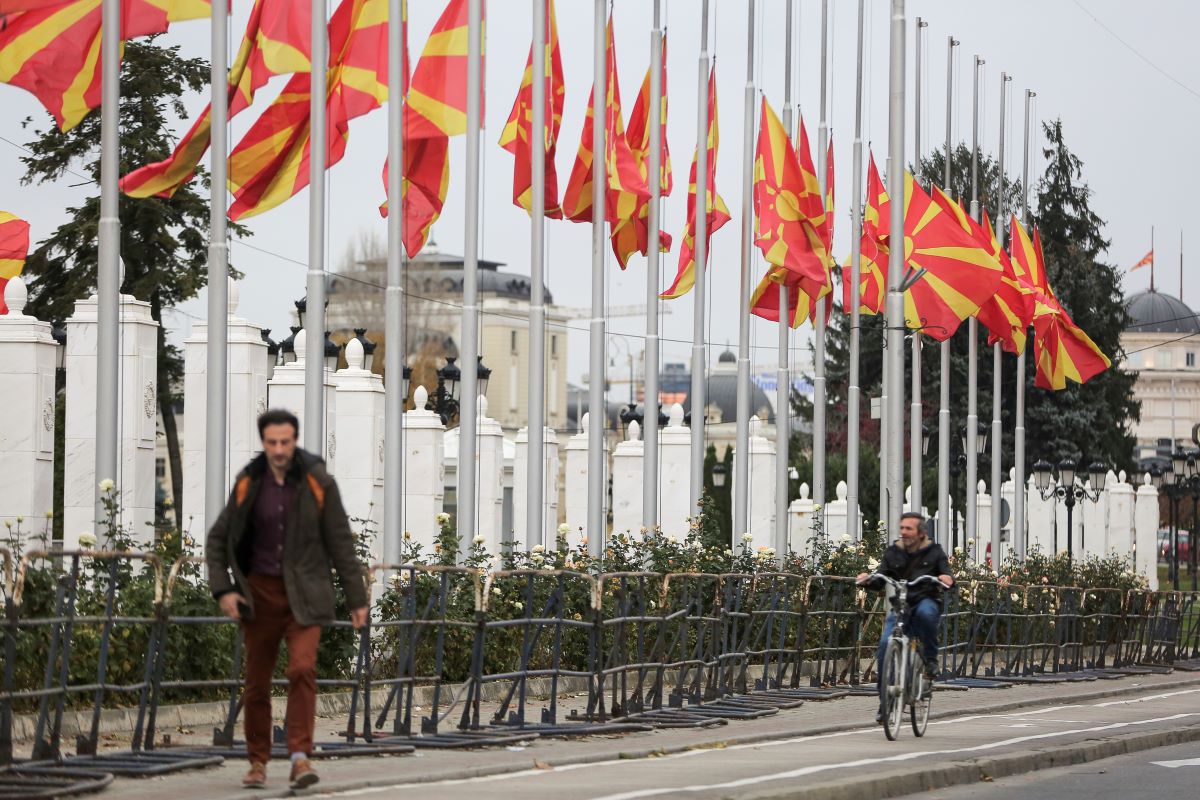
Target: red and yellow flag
{"points": [[1146, 260], [638, 133], [1008, 312], [437, 93], [276, 42], [716, 212], [14, 247], [872, 283], [1062, 350], [517, 132], [270, 164], [52, 50]]}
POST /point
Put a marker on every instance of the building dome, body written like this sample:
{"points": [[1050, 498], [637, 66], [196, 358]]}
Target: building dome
{"points": [[1155, 312]]}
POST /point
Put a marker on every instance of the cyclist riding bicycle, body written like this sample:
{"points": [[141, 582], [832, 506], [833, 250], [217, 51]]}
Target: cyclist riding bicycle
{"points": [[908, 558]]}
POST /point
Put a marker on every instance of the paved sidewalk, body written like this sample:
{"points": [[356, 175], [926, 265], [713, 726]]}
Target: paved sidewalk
{"points": [[813, 718]]}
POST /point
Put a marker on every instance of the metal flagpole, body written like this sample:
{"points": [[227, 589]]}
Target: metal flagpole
{"points": [[943, 496], [972, 438], [699, 350], [217, 356], [108, 272], [895, 297], [819, 321], [535, 486], [915, 437], [395, 346], [1018, 526], [599, 417], [783, 375], [653, 222], [469, 347], [856, 192], [313, 425], [997, 431], [741, 461]]}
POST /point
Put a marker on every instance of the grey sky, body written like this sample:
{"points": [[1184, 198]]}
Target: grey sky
{"points": [[1133, 127]]}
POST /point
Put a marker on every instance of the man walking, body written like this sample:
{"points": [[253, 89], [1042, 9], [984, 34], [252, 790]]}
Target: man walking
{"points": [[269, 556]]}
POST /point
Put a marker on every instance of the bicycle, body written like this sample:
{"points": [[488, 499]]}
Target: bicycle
{"points": [[901, 683]]}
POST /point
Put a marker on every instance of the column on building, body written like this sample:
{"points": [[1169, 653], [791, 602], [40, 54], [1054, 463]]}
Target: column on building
{"points": [[1093, 523], [576, 484], [761, 476], [627, 471], [549, 488], [248, 372], [423, 478], [489, 476], [138, 404], [1119, 533], [801, 513], [27, 363], [1145, 542], [358, 424], [977, 545], [1041, 515]]}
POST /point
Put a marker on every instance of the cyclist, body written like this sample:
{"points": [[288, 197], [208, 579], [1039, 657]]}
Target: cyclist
{"points": [[908, 558]]}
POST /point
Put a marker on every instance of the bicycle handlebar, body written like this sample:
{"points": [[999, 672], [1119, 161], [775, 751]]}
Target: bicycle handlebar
{"points": [[909, 584]]}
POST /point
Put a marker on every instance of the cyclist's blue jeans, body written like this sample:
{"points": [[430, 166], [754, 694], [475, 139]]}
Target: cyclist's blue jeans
{"points": [[922, 623]]}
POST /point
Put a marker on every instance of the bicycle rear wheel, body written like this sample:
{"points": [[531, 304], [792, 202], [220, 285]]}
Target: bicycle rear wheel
{"points": [[891, 685], [922, 693]]}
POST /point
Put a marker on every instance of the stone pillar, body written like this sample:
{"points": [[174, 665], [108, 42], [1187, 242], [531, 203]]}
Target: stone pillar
{"points": [[575, 496], [424, 474], [674, 467], [1119, 535], [549, 489], [1145, 540], [247, 399], [138, 404], [1007, 495], [27, 367], [836, 513], [489, 476], [358, 425], [286, 390], [761, 475], [976, 546], [1093, 525], [800, 522], [627, 472], [944, 519]]}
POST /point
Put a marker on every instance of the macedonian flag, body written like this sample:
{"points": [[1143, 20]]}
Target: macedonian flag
{"points": [[276, 42], [14, 247], [716, 212], [52, 49], [517, 132], [270, 164], [872, 280], [437, 94]]}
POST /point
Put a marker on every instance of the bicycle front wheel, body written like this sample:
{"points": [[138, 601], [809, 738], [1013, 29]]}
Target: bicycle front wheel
{"points": [[891, 684], [922, 693]]}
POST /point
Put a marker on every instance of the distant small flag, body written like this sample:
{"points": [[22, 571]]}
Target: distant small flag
{"points": [[1147, 259]]}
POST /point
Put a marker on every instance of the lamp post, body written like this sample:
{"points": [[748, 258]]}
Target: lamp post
{"points": [[1193, 473], [1178, 480], [1066, 487], [445, 400], [272, 352]]}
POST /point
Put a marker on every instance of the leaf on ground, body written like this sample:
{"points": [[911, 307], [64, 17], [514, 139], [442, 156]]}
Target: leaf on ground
{"points": [[539, 764]]}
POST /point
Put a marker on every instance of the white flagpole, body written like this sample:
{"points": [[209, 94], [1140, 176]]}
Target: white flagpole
{"points": [[895, 298], [312, 428], [741, 461], [997, 386], [216, 356], [853, 392], [783, 373], [972, 439], [599, 414], [915, 433], [108, 267], [699, 349], [943, 496], [535, 515], [1018, 526], [819, 321], [394, 354], [654, 223], [469, 347]]}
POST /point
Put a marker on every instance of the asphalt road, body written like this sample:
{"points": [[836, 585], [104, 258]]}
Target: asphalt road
{"points": [[785, 767], [1164, 772]]}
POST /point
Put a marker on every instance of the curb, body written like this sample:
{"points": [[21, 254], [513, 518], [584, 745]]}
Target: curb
{"points": [[649, 752], [897, 783]]}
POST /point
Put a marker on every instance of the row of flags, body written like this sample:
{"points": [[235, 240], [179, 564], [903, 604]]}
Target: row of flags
{"points": [[956, 267]]}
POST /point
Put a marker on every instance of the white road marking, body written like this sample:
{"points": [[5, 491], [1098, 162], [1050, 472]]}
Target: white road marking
{"points": [[1146, 698], [802, 771], [1186, 762]]}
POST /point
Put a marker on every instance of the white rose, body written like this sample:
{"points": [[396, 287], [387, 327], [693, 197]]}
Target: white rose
{"points": [[672, 540], [87, 540], [845, 537], [496, 591], [816, 507], [970, 542], [107, 485], [537, 558], [873, 564], [537, 548], [695, 544], [564, 529], [747, 537], [480, 539]]}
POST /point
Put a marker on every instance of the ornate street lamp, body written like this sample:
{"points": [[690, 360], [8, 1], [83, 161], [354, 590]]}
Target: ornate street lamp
{"points": [[1069, 490], [272, 352], [482, 375], [719, 473], [331, 353], [287, 348]]}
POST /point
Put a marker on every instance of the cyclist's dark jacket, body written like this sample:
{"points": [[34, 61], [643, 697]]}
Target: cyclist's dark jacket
{"points": [[899, 564]]}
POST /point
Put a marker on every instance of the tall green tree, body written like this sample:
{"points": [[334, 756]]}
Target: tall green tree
{"points": [[163, 241]]}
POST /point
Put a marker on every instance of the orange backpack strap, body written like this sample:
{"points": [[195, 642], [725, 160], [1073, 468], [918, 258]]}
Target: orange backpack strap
{"points": [[242, 489], [318, 492]]}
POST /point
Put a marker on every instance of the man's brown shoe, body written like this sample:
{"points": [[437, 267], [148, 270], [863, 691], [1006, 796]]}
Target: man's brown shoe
{"points": [[256, 778], [303, 775]]}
